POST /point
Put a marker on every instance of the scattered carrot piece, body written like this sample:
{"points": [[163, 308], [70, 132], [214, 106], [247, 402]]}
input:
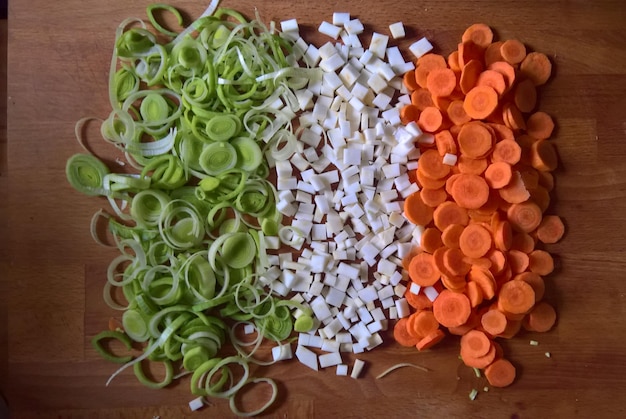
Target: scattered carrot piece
{"points": [[494, 322], [470, 191], [516, 297], [451, 234], [493, 79], [537, 67], [513, 51], [441, 82], [445, 143], [416, 210], [535, 281], [431, 240], [408, 79], [551, 229], [425, 64], [524, 216], [478, 33], [518, 261], [470, 166], [433, 197], [493, 54], [449, 213], [539, 125], [430, 340], [480, 102], [456, 113], [475, 140], [475, 241], [525, 96], [423, 270], [515, 192], [498, 174], [500, 373], [401, 334], [541, 318], [430, 119], [469, 75], [540, 262], [451, 308]]}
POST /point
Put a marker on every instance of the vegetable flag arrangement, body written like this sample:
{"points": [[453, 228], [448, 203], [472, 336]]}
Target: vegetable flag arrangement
{"points": [[380, 165]]}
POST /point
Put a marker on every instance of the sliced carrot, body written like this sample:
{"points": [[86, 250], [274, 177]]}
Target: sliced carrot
{"points": [[523, 242], [425, 322], [543, 156], [449, 213], [474, 293], [539, 262], [451, 308], [453, 283], [525, 96], [518, 261], [480, 102], [546, 179], [423, 270], [516, 297], [535, 281], [431, 239], [494, 322], [480, 361], [451, 234], [540, 125], [410, 326], [513, 51], [401, 334], [551, 229], [498, 174], [537, 67], [433, 197], [430, 119], [422, 98], [530, 176], [541, 197], [492, 53], [441, 81], [430, 340], [470, 191], [506, 70], [455, 263], [456, 113], [468, 51], [493, 79], [485, 280], [425, 181], [453, 61], [416, 211], [431, 164], [515, 192], [472, 323], [409, 113], [503, 235], [442, 103], [408, 79], [445, 143], [507, 151], [498, 261], [541, 318], [513, 118], [513, 326], [502, 132], [475, 140], [475, 241], [425, 64], [524, 216], [500, 373], [475, 343], [525, 142], [478, 33], [469, 75], [470, 166], [417, 301]]}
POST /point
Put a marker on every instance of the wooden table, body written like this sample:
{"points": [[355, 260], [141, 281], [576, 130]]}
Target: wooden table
{"points": [[52, 271]]}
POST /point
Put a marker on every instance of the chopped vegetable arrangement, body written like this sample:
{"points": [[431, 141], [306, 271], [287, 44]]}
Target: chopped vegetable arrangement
{"points": [[285, 191]]}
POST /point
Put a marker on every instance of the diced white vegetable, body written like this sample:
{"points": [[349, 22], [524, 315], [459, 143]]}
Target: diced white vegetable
{"points": [[431, 293], [282, 352], [342, 370], [449, 159], [397, 30], [415, 288], [307, 357], [354, 26], [329, 29], [196, 403], [290, 25], [357, 368], [421, 47], [402, 306], [378, 44], [330, 359], [341, 18]]}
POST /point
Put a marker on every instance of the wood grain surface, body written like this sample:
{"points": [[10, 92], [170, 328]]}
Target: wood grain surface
{"points": [[52, 272]]}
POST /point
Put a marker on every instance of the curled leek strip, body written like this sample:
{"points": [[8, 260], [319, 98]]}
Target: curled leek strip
{"points": [[86, 173]]}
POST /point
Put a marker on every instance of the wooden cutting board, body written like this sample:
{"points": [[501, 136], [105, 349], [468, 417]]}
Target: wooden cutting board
{"points": [[52, 272]]}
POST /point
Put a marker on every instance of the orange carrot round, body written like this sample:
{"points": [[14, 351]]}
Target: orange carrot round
{"points": [[408, 79], [430, 340], [430, 119], [422, 98], [470, 191], [516, 297], [537, 67], [449, 213], [469, 75], [535, 281], [513, 51], [507, 151], [551, 229], [401, 334], [478, 33], [475, 241], [498, 174], [451, 234], [500, 373], [456, 113], [493, 79], [433, 197], [475, 140], [451, 309], [494, 322], [441, 82], [492, 53], [423, 271], [475, 343], [470, 166], [539, 262], [480, 102], [431, 240], [539, 125], [541, 318], [525, 216], [425, 64]]}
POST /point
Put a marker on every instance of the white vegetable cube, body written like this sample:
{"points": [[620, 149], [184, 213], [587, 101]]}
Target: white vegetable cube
{"points": [[449, 159], [196, 404], [378, 44], [377, 83], [431, 293], [421, 47], [307, 357], [354, 26], [341, 18], [342, 369], [290, 25], [402, 307], [282, 352], [329, 29], [397, 30], [330, 359], [357, 368]]}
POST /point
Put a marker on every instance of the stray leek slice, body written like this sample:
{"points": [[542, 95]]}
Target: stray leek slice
{"points": [[143, 379], [156, 6], [303, 324], [223, 127], [218, 158], [233, 403], [249, 154], [147, 206], [96, 342], [135, 326], [195, 357], [86, 173], [239, 250]]}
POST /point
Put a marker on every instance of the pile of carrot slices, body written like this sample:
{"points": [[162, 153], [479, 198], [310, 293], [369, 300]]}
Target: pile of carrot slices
{"points": [[485, 180]]}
